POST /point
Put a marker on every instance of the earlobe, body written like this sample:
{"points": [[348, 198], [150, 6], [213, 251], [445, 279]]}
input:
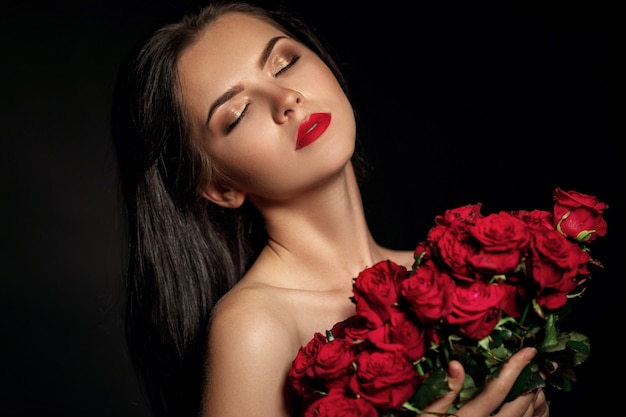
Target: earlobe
{"points": [[224, 196]]}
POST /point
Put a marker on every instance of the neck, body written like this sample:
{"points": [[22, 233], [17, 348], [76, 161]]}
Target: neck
{"points": [[323, 234]]}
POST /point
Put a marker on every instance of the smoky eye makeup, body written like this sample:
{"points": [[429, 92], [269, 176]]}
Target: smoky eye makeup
{"points": [[234, 118], [286, 64], [284, 56]]}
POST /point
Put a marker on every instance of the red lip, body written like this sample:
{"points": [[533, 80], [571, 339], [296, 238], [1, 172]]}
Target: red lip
{"points": [[312, 128]]}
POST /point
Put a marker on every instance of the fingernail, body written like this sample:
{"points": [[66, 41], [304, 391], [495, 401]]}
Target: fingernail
{"points": [[453, 371], [529, 353]]}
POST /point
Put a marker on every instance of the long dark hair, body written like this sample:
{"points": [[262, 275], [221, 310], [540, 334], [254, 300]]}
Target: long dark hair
{"points": [[184, 252]]}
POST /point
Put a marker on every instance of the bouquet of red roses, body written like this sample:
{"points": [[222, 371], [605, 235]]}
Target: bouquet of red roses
{"points": [[481, 288]]}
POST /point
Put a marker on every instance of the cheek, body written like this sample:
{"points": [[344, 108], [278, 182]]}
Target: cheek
{"points": [[252, 159], [321, 82], [327, 90]]}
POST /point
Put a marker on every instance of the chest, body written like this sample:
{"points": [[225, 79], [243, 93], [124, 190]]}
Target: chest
{"points": [[320, 312]]}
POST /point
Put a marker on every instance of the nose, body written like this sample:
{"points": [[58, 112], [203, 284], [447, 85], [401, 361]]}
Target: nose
{"points": [[285, 101]]}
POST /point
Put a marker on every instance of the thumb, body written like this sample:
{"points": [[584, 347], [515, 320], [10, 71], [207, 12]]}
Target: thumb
{"points": [[456, 377]]}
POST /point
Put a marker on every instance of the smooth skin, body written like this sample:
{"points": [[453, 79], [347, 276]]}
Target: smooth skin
{"points": [[318, 235]]}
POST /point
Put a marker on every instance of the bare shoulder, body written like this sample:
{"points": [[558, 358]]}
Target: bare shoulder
{"points": [[401, 257], [254, 315], [250, 347]]}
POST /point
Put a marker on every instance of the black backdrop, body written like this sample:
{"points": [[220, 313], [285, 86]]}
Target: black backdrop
{"points": [[459, 102]]}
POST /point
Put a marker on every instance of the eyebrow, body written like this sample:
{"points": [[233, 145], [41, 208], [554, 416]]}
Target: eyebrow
{"points": [[268, 50], [231, 92]]}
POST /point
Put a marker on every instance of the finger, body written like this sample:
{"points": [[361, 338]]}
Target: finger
{"points": [[522, 406], [494, 393], [541, 405], [456, 376]]}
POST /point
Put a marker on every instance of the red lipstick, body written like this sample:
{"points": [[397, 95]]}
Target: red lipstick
{"points": [[312, 129]]}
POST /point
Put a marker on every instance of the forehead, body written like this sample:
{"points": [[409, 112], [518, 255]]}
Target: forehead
{"points": [[225, 50], [233, 39], [236, 28]]}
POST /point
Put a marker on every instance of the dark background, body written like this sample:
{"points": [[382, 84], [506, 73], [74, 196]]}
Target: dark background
{"points": [[460, 102]]}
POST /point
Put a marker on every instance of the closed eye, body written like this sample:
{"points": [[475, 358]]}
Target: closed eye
{"points": [[290, 64], [235, 122]]}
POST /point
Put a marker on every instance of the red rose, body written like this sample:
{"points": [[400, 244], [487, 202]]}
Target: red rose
{"points": [[503, 239], [336, 404], [556, 266], [376, 291], [332, 363], [471, 273], [475, 308], [410, 335], [533, 218], [500, 232], [511, 294], [460, 216], [578, 215], [422, 252], [428, 292], [354, 329], [299, 373], [454, 249], [385, 378], [402, 334]]}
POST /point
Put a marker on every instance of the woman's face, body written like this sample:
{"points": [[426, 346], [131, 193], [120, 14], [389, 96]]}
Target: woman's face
{"points": [[252, 94]]}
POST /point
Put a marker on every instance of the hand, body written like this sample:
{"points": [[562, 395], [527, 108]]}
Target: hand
{"points": [[533, 404]]}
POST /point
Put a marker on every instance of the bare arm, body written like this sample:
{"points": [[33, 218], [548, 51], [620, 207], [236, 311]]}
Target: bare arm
{"points": [[247, 363]]}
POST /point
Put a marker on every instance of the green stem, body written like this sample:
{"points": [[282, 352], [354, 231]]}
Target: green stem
{"points": [[551, 331]]}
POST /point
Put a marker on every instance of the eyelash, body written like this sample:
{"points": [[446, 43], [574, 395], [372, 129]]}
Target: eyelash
{"points": [[234, 124], [291, 63]]}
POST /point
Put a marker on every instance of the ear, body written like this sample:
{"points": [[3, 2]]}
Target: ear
{"points": [[224, 196]]}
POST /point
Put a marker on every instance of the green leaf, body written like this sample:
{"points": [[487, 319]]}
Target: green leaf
{"points": [[500, 335], [468, 391], [580, 347], [500, 353], [585, 235], [552, 332], [561, 382], [527, 381], [329, 336], [433, 387], [572, 354]]}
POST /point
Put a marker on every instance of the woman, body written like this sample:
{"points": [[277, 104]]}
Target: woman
{"points": [[236, 141]]}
